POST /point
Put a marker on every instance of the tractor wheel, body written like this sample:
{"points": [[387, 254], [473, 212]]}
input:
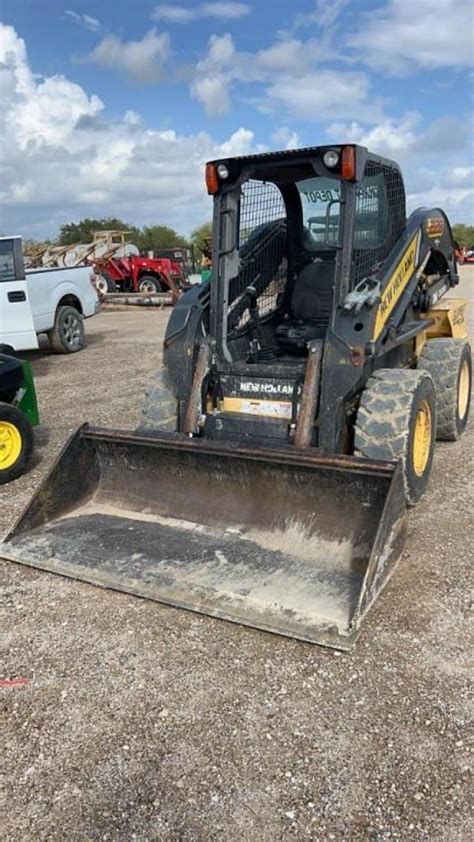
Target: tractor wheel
{"points": [[397, 420], [150, 284], [160, 407], [449, 362], [16, 442], [67, 335], [104, 284]]}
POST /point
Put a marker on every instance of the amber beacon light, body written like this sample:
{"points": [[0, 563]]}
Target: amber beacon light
{"points": [[212, 180], [348, 163]]}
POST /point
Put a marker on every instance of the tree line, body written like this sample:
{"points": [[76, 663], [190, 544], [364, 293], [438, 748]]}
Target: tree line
{"points": [[159, 237], [463, 234], [150, 237]]}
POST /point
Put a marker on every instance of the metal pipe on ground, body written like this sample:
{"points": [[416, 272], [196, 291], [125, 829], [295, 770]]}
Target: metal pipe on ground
{"points": [[139, 299]]}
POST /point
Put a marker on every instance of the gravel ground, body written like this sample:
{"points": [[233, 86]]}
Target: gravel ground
{"points": [[145, 722]]}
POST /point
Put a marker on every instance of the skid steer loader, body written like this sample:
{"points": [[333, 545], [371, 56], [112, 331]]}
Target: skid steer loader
{"points": [[295, 415]]}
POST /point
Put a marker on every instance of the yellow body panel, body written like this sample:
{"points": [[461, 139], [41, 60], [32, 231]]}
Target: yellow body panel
{"points": [[397, 283], [449, 319]]}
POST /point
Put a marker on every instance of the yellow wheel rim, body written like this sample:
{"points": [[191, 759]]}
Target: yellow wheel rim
{"points": [[463, 390], [10, 445], [422, 438]]}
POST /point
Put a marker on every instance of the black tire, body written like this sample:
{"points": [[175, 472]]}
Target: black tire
{"points": [[397, 420], [16, 442], [104, 284], [160, 407], [67, 335], [150, 284], [449, 362]]}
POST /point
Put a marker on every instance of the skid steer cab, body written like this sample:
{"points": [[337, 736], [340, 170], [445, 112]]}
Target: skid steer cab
{"points": [[295, 414], [325, 324]]}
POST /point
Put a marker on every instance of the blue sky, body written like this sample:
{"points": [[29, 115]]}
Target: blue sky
{"points": [[112, 107]]}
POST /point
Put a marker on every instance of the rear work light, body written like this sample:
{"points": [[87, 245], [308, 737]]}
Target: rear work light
{"points": [[331, 158]]}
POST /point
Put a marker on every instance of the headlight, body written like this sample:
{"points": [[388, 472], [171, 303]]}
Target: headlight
{"points": [[331, 159], [222, 171]]}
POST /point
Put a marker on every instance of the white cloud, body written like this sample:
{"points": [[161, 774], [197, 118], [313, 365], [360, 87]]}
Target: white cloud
{"points": [[231, 11], [213, 93], [61, 160], [43, 110], [324, 15], [212, 80], [221, 50], [285, 138], [403, 34], [144, 60], [86, 20], [387, 138], [293, 81], [432, 159], [292, 55], [443, 138], [172, 13], [321, 94]]}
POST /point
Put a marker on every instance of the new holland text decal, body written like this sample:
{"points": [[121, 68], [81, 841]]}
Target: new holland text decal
{"points": [[397, 283], [267, 388]]}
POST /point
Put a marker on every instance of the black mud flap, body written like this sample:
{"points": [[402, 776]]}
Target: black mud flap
{"points": [[294, 543]]}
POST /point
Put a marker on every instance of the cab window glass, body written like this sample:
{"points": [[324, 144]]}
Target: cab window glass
{"points": [[7, 262], [320, 199]]}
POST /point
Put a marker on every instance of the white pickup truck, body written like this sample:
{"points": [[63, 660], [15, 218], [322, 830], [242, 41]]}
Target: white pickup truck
{"points": [[51, 301]]}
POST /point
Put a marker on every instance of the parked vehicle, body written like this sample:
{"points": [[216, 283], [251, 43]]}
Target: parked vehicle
{"points": [[51, 301], [138, 274], [294, 414], [18, 415], [104, 244], [181, 256]]}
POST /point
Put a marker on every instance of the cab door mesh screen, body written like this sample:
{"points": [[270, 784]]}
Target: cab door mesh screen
{"points": [[262, 251], [380, 218]]}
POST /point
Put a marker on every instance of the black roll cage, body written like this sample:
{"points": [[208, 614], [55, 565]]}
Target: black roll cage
{"points": [[283, 169]]}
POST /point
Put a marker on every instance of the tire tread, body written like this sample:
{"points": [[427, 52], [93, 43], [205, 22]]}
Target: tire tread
{"points": [[441, 358]]}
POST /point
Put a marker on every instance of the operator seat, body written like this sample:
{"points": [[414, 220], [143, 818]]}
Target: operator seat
{"points": [[310, 306]]}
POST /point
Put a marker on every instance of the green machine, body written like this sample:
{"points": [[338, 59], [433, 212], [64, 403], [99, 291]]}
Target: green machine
{"points": [[18, 416]]}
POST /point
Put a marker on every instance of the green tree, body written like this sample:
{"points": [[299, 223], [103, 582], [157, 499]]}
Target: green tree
{"points": [[463, 234], [159, 237], [201, 239], [81, 232]]}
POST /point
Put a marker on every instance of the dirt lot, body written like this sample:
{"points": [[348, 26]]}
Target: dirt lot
{"points": [[149, 723]]}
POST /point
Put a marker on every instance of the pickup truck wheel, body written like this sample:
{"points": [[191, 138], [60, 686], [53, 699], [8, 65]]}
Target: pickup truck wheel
{"points": [[150, 284], [67, 335]]}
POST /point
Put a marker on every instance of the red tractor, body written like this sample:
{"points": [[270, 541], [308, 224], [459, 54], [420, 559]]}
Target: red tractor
{"points": [[138, 274]]}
